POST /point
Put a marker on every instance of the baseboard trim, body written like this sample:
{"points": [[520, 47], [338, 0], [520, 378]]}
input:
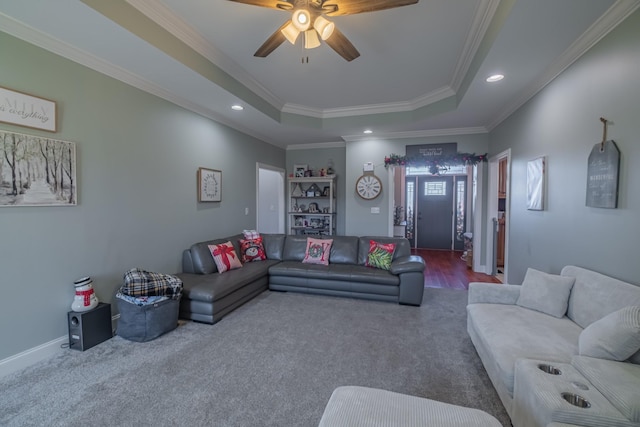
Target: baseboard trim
{"points": [[31, 356], [36, 354]]}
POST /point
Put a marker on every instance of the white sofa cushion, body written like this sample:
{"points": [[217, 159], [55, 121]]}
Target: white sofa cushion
{"points": [[507, 333], [615, 337], [544, 292], [617, 381], [595, 295]]}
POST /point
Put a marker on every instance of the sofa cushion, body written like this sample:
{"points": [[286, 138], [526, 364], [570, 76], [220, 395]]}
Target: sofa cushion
{"points": [[225, 256], [380, 255], [617, 381], [294, 248], [340, 272], [595, 295], [500, 329], [616, 336], [317, 251], [344, 250], [273, 245], [547, 293]]}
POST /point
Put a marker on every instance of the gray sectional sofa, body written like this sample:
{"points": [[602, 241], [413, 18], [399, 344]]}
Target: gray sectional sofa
{"points": [[208, 295], [564, 352]]}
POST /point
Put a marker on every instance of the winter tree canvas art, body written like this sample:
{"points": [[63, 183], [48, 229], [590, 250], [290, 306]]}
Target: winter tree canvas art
{"points": [[36, 171]]}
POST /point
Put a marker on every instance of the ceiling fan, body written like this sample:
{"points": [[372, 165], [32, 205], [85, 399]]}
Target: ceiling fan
{"points": [[309, 17]]}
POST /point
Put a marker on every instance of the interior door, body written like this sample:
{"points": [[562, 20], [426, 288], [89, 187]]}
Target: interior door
{"points": [[435, 212]]}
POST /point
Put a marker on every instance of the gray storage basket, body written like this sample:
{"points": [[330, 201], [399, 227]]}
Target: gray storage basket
{"points": [[147, 322]]}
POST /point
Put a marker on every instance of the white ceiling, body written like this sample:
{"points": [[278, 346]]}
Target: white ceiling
{"points": [[421, 71]]}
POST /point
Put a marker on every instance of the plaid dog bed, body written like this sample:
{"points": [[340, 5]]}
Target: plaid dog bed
{"points": [[142, 283]]}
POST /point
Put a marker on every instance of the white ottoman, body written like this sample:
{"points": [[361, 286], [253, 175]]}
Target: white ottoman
{"points": [[352, 406]]}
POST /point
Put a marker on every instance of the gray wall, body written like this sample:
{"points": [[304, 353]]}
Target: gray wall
{"points": [[360, 220], [318, 158], [562, 123], [137, 159]]}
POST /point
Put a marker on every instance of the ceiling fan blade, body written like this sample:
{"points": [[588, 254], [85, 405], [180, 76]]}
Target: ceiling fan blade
{"points": [[272, 4], [351, 7], [342, 45], [275, 40]]}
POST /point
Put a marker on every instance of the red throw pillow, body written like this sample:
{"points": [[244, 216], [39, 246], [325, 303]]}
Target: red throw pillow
{"points": [[252, 250], [317, 251], [225, 257], [380, 255]]}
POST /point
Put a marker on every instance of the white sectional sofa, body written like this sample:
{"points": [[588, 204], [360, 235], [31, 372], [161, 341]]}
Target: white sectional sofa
{"points": [[561, 349]]}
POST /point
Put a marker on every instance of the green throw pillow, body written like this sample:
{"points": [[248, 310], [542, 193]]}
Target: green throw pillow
{"points": [[380, 255]]}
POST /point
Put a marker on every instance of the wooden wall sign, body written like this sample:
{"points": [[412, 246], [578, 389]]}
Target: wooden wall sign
{"points": [[432, 151], [602, 175]]}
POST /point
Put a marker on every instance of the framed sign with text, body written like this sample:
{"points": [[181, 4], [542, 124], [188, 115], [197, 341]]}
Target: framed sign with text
{"points": [[26, 110]]}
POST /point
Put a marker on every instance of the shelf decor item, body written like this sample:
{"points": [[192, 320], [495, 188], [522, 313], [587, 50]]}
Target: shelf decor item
{"points": [[209, 185], [297, 190], [300, 170]]}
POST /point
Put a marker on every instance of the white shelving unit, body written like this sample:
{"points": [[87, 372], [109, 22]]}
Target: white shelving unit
{"points": [[312, 205]]}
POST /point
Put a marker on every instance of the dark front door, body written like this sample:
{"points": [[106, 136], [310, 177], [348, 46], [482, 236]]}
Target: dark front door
{"points": [[435, 212]]}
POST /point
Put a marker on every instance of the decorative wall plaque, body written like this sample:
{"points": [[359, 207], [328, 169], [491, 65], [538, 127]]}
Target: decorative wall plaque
{"points": [[602, 175]]}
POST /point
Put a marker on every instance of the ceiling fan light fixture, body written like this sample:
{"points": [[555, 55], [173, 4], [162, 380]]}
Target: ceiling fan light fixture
{"points": [[324, 27], [301, 19], [311, 40], [290, 32]]}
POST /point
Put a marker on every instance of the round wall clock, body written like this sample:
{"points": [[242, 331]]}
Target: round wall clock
{"points": [[368, 186]]}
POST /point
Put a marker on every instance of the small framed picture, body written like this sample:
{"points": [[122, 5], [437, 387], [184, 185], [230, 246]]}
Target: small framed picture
{"points": [[209, 185], [300, 170], [325, 191]]}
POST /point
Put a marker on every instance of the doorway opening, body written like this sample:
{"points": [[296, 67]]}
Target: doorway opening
{"points": [[497, 226], [270, 200], [437, 208]]}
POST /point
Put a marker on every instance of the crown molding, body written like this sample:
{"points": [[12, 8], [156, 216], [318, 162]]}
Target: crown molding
{"points": [[167, 19], [481, 22], [617, 13], [417, 134], [58, 47], [317, 145], [362, 110]]}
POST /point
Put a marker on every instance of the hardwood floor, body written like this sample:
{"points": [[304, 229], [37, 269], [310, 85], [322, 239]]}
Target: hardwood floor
{"points": [[445, 269]]}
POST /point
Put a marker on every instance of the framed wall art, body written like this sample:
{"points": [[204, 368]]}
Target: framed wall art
{"points": [[300, 170], [209, 185], [37, 171], [26, 110], [535, 184]]}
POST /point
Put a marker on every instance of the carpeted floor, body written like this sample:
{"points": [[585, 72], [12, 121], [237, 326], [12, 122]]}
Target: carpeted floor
{"points": [[272, 362]]}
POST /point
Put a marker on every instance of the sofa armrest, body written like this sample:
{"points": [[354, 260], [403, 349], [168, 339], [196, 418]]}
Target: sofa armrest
{"points": [[493, 293], [407, 264]]}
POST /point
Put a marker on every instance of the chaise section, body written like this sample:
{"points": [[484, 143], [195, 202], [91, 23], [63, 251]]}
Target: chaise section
{"points": [[207, 298]]}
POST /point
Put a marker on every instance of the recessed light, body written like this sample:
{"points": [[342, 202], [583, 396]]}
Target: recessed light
{"points": [[368, 131], [495, 78], [237, 107]]}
